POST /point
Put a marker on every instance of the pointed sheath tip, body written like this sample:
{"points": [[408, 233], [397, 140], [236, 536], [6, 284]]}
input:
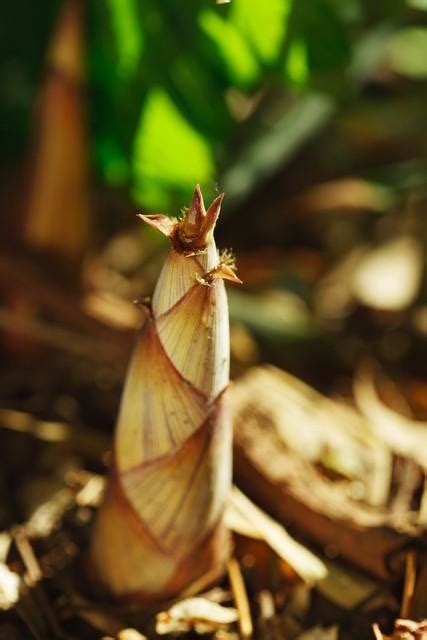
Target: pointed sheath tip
{"points": [[198, 193], [195, 214], [162, 223], [213, 211], [195, 230], [216, 204], [196, 211], [212, 214], [227, 273]]}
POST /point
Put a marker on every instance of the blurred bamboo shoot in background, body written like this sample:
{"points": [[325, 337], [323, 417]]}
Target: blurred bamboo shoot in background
{"points": [[57, 212]]}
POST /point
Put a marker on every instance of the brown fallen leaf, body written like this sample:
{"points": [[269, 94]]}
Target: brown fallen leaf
{"points": [[345, 513], [317, 429]]}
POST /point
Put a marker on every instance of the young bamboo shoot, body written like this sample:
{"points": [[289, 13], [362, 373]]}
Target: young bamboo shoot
{"points": [[160, 528]]}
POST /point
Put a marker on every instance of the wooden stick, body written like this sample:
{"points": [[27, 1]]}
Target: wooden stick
{"points": [[409, 584], [241, 598], [33, 578]]}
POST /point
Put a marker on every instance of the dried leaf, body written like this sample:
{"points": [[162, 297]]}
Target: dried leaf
{"points": [[389, 276], [5, 542], [351, 194], [345, 586], [10, 584], [47, 515], [322, 508], [403, 630], [317, 428], [305, 564], [404, 436], [90, 494], [200, 614]]}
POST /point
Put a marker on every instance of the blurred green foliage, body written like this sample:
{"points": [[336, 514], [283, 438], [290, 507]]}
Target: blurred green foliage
{"points": [[185, 92], [178, 85]]}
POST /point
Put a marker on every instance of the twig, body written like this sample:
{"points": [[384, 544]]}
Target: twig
{"points": [[241, 598], [409, 584], [95, 616], [34, 573], [32, 579], [27, 611], [377, 633]]}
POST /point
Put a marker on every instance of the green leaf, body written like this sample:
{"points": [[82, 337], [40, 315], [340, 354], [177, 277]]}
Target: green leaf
{"points": [[201, 94], [319, 26], [127, 33], [231, 48], [348, 11], [408, 52], [296, 66], [112, 159], [263, 24], [275, 145], [168, 152]]}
